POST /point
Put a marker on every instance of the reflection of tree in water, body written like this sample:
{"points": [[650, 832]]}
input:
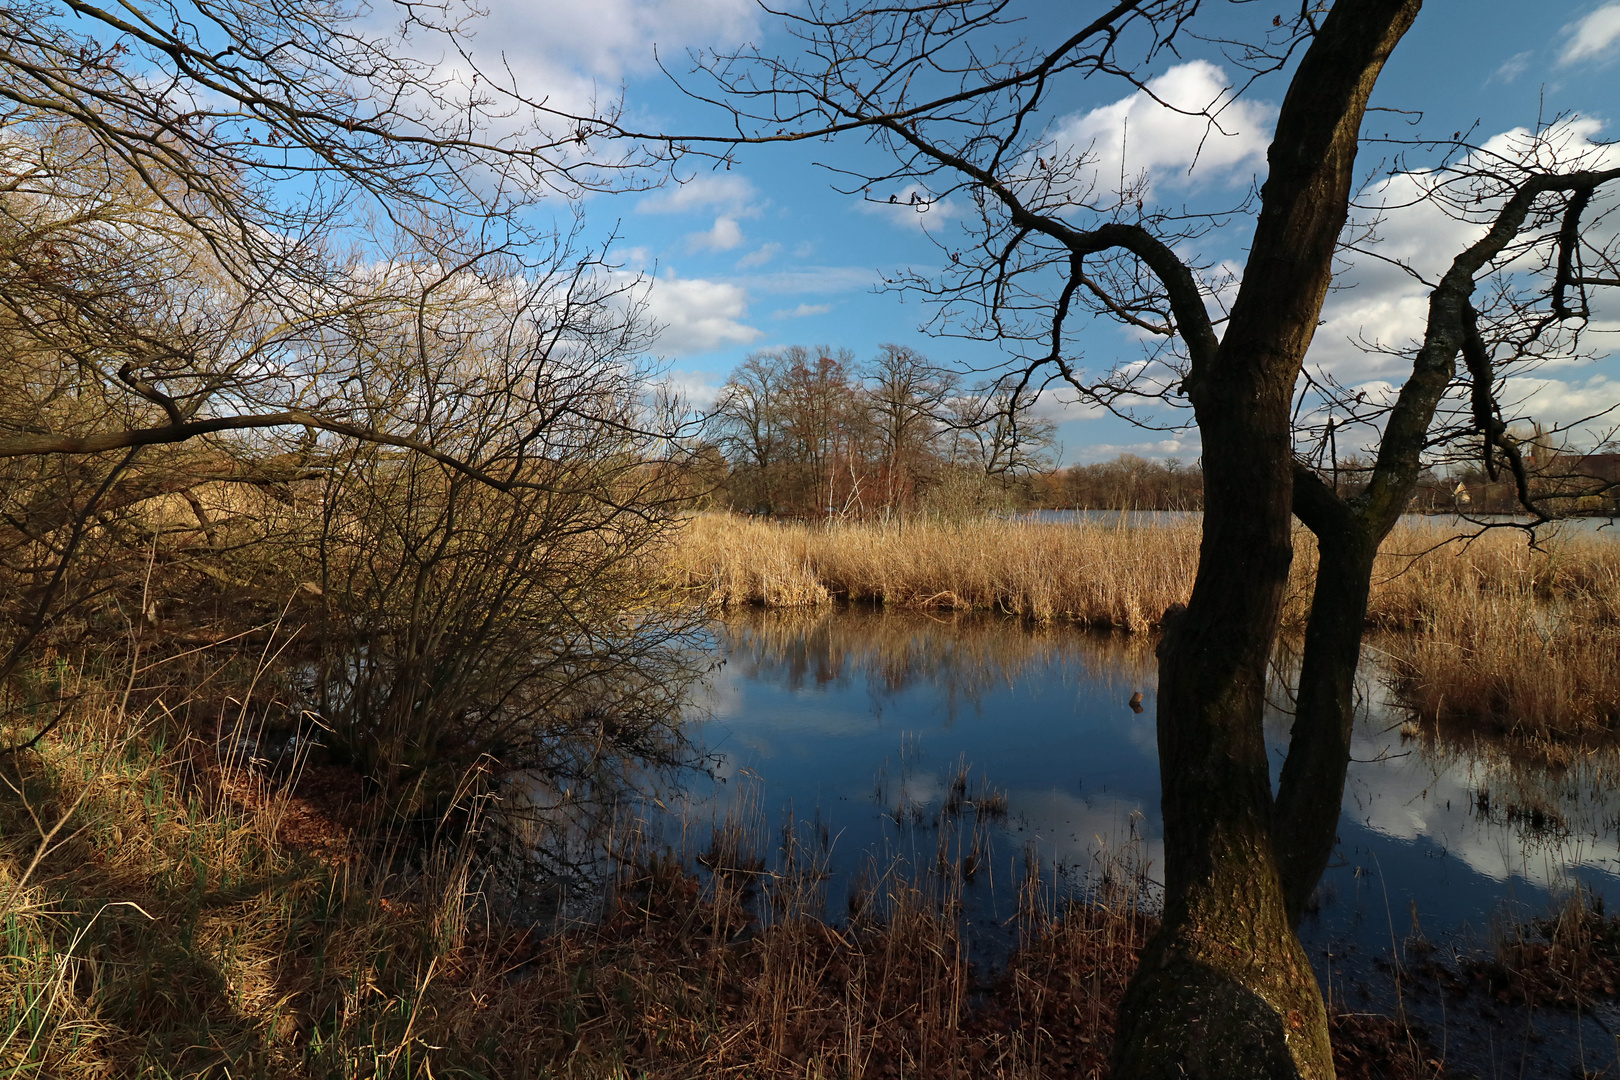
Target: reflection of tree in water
{"points": [[963, 654]]}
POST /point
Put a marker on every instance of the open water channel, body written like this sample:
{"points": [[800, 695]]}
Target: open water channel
{"points": [[853, 722]]}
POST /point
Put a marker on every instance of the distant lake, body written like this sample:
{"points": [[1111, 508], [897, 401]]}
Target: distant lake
{"points": [[1600, 526], [857, 719]]}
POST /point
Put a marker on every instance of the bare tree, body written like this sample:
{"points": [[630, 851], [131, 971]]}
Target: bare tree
{"points": [[750, 419], [907, 396], [253, 244], [280, 144], [825, 427], [1224, 988], [998, 435]]}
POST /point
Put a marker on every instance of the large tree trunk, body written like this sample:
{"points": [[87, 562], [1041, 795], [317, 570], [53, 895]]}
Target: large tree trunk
{"points": [[1225, 989]]}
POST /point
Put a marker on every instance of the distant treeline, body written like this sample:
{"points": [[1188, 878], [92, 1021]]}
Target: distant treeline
{"points": [[1126, 483], [807, 432]]}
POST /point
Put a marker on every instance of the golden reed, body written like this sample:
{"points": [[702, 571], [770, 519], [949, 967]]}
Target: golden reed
{"points": [[1088, 574]]}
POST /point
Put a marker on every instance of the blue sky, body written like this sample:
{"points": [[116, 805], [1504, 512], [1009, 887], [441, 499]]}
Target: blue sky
{"points": [[768, 254]]}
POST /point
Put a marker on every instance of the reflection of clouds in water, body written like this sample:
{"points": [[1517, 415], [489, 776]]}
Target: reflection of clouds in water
{"points": [[714, 695], [1419, 789], [1142, 729], [813, 708], [1088, 834], [921, 789]]}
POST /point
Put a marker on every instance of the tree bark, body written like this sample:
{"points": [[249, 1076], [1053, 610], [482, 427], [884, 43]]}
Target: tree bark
{"points": [[1224, 988]]}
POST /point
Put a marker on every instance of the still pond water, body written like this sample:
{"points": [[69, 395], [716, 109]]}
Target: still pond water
{"points": [[857, 720]]}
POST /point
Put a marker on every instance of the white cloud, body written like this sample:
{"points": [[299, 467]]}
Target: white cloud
{"points": [[700, 390], [759, 258], [802, 311], [1184, 445], [575, 54], [729, 192], [1555, 401], [1592, 36], [1145, 132], [1513, 67], [696, 316], [725, 235], [1378, 302]]}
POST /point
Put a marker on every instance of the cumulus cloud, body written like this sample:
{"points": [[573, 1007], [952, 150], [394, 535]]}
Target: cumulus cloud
{"points": [[1183, 445], [1592, 37], [1561, 402], [802, 311], [1379, 302], [699, 389], [1162, 133], [697, 316], [725, 235], [575, 55]]}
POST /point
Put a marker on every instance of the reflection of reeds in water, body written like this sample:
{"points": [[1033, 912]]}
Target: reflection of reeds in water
{"points": [[1569, 956], [689, 976], [963, 653], [987, 802]]}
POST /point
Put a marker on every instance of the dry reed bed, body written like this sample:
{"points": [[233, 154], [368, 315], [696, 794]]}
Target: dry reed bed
{"points": [[1104, 575], [1522, 638], [1096, 576], [1503, 637]]}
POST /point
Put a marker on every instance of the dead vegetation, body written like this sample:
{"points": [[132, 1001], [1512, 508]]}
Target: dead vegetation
{"points": [[1569, 957], [1090, 575]]}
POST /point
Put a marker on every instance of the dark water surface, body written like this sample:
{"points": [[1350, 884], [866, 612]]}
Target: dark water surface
{"points": [[857, 720]]}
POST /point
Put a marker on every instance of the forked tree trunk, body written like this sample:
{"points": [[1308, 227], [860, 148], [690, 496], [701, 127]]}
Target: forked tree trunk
{"points": [[1225, 989]]}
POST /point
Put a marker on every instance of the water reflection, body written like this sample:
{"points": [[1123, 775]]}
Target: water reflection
{"points": [[861, 719]]}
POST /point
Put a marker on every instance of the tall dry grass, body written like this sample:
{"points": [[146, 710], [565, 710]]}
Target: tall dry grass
{"points": [[158, 921], [160, 918], [1524, 644], [1098, 576]]}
